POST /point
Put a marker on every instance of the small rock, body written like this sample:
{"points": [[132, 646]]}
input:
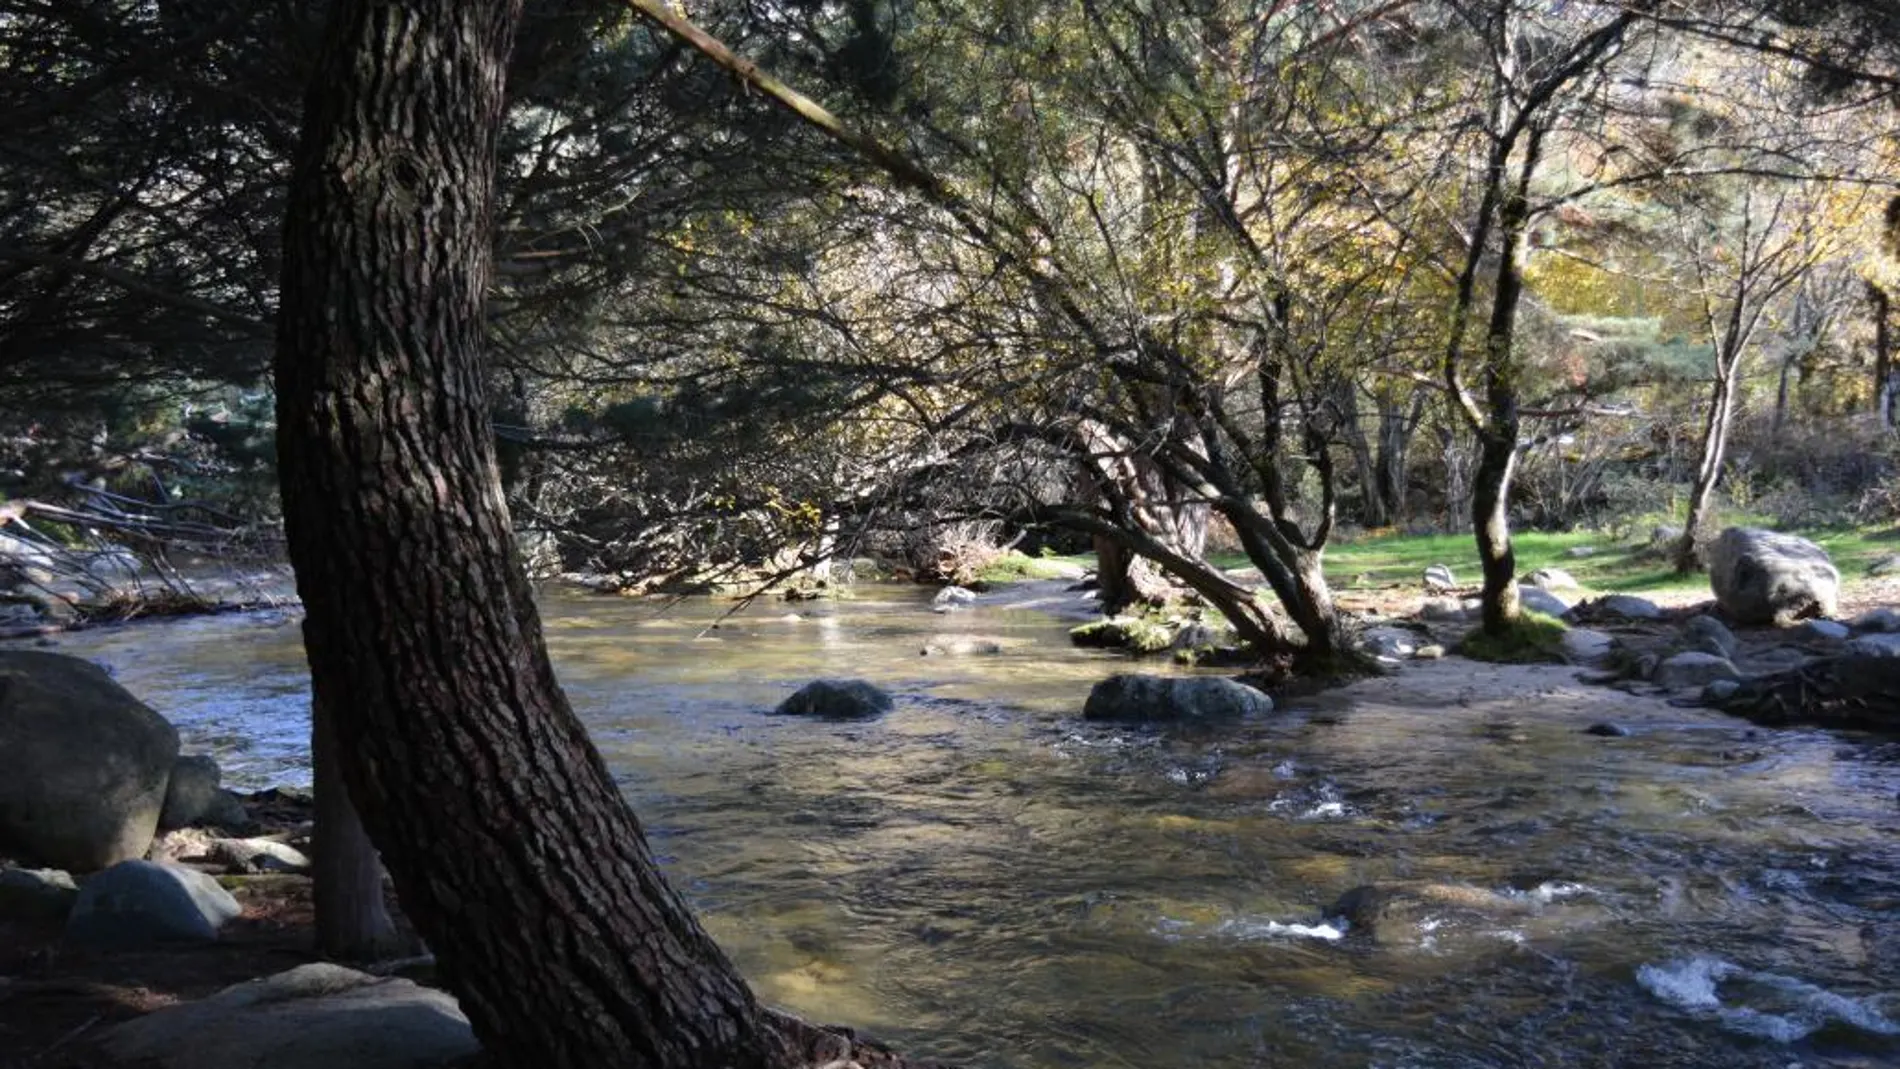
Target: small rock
{"points": [[1630, 607], [1720, 690], [1195, 635], [1876, 645], [1389, 643], [1443, 609], [837, 699], [962, 647], [190, 793], [1663, 537], [1607, 730], [1144, 698], [1552, 579], [1430, 652], [138, 903], [1693, 669], [1882, 620], [259, 855], [1823, 630], [1580, 645], [36, 895], [1536, 599], [1886, 565], [317, 1016], [951, 598], [1580, 552], [1708, 634], [1439, 577]]}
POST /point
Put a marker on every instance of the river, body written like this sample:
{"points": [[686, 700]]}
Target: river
{"points": [[982, 877]]}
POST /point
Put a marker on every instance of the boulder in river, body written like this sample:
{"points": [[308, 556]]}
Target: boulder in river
{"points": [[951, 598], [317, 1016], [191, 791], [1390, 643], [83, 764], [837, 699], [1145, 698], [1693, 669], [139, 903], [1764, 577]]}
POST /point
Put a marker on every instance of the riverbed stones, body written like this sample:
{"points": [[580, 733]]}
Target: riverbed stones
{"points": [[1439, 578], [1709, 635], [190, 792], [1446, 610], [317, 1016], [140, 903], [1539, 600], [1629, 607], [83, 764], [1693, 669], [1551, 579], [1159, 698], [36, 895], [1878, 620], [1389, 643], [1875, 645], [1823, 631], [258, 855], [1764, 577], [1581, 645], [837, 699]]}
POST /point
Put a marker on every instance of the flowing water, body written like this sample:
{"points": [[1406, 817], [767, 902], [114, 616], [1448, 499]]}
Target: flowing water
{"points": [[981, 876]]}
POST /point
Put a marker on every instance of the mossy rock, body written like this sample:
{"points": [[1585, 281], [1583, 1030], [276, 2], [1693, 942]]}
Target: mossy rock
{"points": [[1136, 634], [1532, 638]]}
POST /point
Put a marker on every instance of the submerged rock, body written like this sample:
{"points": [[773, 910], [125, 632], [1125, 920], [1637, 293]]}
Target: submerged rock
{"points": [[1764, 577], [139, 903], [837, 699], [317, 1016], [1141, 698], [83, 764]]}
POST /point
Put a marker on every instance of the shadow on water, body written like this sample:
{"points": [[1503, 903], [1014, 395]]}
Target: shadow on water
{"points": [[984, 877]]}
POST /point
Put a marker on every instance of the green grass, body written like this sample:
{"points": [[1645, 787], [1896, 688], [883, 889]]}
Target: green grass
{"points": [[1620, 568]]}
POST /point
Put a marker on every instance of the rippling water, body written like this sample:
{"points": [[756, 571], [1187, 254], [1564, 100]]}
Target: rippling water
{"points": [[981, 876]]}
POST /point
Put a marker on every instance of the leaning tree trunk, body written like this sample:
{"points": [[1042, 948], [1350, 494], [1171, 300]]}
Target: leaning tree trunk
{"points": [[1715, 428], [509, 844]]}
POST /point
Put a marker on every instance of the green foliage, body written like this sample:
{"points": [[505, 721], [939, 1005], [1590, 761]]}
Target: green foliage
{"points": [[1015, 566], [1136, 634], [1532, 638]]}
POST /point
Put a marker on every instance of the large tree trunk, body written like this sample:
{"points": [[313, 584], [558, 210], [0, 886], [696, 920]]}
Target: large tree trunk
{"points": [[509, 844], [1886, 375], [1491, 522], [346, 884]]}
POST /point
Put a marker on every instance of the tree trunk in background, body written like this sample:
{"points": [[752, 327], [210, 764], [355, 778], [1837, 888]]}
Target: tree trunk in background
{"points": [[1886, 376], [1491, 523], [510, 846], [1715, 428], [346, 875]]}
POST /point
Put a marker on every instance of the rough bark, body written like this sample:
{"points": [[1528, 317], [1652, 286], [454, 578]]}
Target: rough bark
{"points": [[1886, 376], [1715, 428], [353, 922], [509, 844]]}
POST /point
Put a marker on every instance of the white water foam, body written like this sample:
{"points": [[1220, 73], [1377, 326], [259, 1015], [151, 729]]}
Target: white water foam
{"points": [[1787, 1009], [1248, 929]]}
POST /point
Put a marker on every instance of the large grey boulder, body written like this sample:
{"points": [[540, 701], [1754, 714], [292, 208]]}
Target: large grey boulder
{"points": [[1439, 577], [951, 598], [1390, 643], [1876, 645], [837, 699], [36, 895], [316, 1016], [1763, 577], [83, 764], [1693, 669], [1581, 645], [1551, 579], [139, 903], [191, 791], [1140, 698]]}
